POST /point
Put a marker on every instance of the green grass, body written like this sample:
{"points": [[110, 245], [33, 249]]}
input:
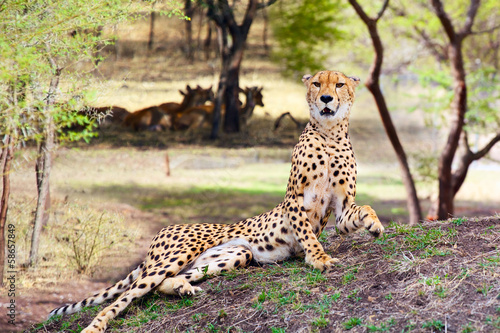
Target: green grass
{"points": [[352, 322], [420, 239], [485, 288], [490, 262], [432, 281], [212, 328], [383, 327], [320, 322], [459, 221], [434, 324], [441, 292], [468, 328], [277, 330], [198, 316], [494, 322], [274, 294], [315, 277], [353, 295], [152, 307], [69, 320], [322, 306], [348, 277]]}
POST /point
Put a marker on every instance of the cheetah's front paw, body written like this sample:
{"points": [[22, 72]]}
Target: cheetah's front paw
{"points": [[325, 264], [177, 286], [371, 221], [376, 228], [184, 288]]}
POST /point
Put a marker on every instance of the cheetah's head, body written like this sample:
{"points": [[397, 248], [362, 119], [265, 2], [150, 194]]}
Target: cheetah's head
{"points": [[330, 96]]}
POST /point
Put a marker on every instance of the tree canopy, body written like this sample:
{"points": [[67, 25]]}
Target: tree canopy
{"points": [[306, 32]]}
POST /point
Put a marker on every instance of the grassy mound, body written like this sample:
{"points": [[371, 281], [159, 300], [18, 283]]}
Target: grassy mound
{"points": [[442, 276]]}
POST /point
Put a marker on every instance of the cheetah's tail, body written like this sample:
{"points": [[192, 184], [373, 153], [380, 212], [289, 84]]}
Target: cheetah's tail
{"points": [[100, 297]]}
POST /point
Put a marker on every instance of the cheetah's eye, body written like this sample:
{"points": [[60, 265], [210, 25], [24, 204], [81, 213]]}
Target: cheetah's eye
{"points": [[339, 85], [317, 84]]}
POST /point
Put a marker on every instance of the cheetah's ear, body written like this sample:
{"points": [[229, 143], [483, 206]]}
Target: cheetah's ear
{"points": [[355, 80], [306, 78]]}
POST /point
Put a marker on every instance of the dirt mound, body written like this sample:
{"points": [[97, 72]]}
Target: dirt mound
{"points": [[441, 276]]}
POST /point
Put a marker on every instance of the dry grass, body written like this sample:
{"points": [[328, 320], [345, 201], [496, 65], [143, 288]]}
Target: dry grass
{"points": [[59, 259]]}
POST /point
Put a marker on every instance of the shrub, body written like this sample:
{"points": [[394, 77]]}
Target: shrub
{"points": [[87, 233]]}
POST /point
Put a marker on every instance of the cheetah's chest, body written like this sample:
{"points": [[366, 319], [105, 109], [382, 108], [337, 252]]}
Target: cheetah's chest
{"points": [[333, 179], [318, 195]]}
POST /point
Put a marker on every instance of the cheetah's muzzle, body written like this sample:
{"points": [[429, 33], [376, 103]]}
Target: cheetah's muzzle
{"points": [[327, 112]]}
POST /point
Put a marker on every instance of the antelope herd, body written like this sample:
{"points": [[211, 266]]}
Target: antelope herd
{"points": [[192, 113]]}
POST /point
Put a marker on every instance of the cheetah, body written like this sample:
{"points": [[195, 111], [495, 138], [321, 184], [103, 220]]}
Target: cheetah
{"points": [[322, 181]]}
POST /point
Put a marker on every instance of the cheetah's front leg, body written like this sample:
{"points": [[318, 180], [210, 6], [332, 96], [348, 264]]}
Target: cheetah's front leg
{"points": [[353, 218], [177, 286], [315, 254]]}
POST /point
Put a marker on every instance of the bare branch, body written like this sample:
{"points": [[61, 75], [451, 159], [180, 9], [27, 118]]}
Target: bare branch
{"points": [[445, 20], [435, 48], [361, 13], [469, 21], [249, 15], [485, 31], [227, 13], [467, 157], [481, 153], [265, 4], [52, 62], [382, 10], [297, 123], [213, 14]]}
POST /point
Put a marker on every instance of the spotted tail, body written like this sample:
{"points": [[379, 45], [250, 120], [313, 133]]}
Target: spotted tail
{"points": [[100, 297]]}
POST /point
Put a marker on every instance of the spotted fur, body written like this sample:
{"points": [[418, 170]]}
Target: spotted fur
{"points": [[322, 181]]}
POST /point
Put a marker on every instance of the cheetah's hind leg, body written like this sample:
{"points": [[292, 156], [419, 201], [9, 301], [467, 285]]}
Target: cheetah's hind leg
{"points": [[212, 262]]}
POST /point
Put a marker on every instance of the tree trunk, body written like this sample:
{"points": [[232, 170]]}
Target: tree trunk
{"points": [[39, 170], [232, 116], [219, 98], [444, 204], [458, 108], [208, 42], [151, 31], [412, 202], [217, 107], [222, 15], [372, 83], [189, 11], [44, 164], [265, 30], [5, 161]]}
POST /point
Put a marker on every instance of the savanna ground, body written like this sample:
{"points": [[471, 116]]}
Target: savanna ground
{"points": [[436, 276]]}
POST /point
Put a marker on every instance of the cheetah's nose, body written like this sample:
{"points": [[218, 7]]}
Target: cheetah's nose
{"points": [[326, 98]]}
